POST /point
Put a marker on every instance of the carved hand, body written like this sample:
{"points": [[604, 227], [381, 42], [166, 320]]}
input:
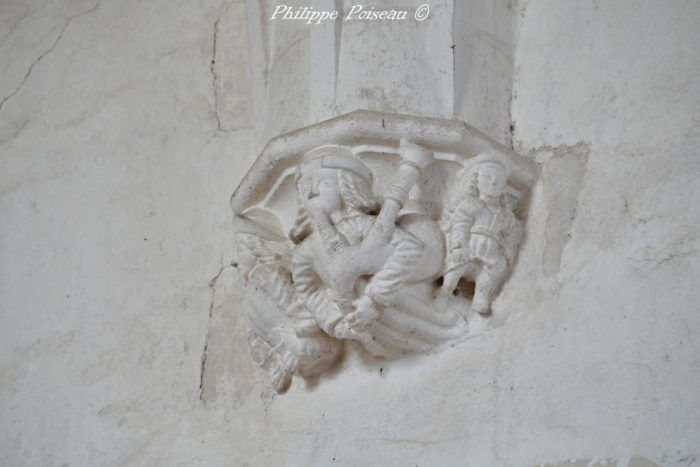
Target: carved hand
{"points": [[366, 313], [332, 240], [316, 211]]}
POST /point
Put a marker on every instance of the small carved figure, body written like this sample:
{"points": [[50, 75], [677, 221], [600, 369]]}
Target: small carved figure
{"points": [[484, 234], [284, 339]]}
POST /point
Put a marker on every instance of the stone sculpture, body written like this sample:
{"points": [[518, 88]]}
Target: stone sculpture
{"points": [[483, 232], [372, 256]]}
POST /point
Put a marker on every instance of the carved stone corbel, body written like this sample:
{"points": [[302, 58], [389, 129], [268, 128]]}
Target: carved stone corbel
{"points": [[388, 230]]}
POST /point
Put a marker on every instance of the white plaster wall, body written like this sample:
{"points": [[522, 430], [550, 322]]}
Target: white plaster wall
{"points": [[114, 217], [607, 97], [120, 143]]}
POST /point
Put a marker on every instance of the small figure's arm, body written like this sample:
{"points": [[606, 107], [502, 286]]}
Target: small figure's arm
{"points": [[512, 240], [460, 229], [457, 247]]}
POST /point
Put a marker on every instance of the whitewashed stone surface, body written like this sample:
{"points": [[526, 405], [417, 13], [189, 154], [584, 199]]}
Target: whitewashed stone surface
{"points": [[123, 131]]}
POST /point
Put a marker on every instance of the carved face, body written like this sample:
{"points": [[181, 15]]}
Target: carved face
{"points": [[492, 180], [328, 192]]}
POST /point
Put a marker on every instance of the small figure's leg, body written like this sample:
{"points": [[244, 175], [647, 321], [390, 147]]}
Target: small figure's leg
{"points": [[449, 284], [486, 283], [450, 280], [452, 277]]}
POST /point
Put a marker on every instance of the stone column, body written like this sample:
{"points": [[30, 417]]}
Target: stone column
{"points": [[455, 63]]}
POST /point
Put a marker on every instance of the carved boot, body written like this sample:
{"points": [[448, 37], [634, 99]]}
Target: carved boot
{"points": [[486, 283], [280, 378], [482, 302], [259, 349], [442, 299], [481, 306]]}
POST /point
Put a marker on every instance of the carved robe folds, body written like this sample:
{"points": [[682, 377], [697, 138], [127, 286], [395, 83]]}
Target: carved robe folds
{"points": [[381, 236]]}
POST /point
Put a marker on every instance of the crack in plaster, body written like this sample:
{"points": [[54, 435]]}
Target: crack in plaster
{"points": [[212, 69], [45, 53], [203, 359]]}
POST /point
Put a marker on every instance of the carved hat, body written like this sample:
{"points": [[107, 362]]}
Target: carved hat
{"points": [[333, 157], [488, 159]]}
